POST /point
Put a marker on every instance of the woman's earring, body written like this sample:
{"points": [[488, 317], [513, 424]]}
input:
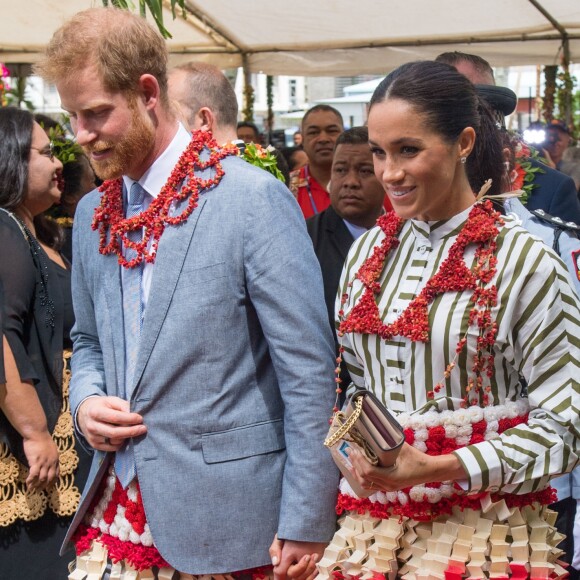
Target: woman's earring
{"points": [[463, 159]]}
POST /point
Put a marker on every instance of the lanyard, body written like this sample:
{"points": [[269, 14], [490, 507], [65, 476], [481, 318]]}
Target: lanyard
{"points": [[309, 191]]}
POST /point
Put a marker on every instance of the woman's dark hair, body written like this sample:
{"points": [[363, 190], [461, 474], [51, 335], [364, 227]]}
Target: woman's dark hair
{"points": [[449, 103], [16, 141]]}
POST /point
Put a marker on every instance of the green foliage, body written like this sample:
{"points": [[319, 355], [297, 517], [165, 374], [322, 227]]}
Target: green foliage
{"points": [[248, 110], [263, 158], [155, 8]]}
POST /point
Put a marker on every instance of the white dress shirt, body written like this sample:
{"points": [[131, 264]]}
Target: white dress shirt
{"points": [[152, 181]]}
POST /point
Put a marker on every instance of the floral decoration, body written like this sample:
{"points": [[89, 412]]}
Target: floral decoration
{"points": [[481, 228], [524, 172], [439, 433], [264, 158], [4, 86], [114, 227]]}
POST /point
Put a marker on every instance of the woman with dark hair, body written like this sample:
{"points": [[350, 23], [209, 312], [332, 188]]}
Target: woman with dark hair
{"points": [[466, 327], [77, 179], [38, 459]]}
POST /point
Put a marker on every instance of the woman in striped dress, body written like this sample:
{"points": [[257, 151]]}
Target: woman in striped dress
{"points": [[466, 327]]}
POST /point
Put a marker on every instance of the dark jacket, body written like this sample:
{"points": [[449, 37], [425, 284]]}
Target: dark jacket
{"points": [[555, 193], [331, 240]]}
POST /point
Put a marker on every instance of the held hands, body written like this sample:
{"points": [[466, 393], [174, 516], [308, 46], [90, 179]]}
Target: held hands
{"points": [[106, 422], [295, 560], [412, 467], [42, 456]]}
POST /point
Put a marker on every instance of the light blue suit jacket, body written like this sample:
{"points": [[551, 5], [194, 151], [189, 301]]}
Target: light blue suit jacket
{"points": [[234, 376]]}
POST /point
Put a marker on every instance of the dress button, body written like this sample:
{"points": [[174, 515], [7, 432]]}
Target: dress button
{"points": [[493, 488]]}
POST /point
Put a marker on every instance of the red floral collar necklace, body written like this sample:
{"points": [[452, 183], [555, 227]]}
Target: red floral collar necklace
{"points": [[481, 228], [109, 216]]}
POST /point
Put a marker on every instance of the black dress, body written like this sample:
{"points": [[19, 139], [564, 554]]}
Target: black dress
{"points": [[38, 317], [2, 376]]}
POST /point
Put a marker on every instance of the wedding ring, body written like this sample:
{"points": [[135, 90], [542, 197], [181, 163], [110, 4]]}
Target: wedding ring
{"points": [[372, 485]]}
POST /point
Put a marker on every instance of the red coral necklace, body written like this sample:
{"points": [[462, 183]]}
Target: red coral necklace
{"points": [[480, 228], [109, 217]]}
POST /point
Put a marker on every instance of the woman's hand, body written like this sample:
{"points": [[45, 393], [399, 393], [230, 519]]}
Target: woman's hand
{"points": [[295, 560], [42, 455], [412, 467]]}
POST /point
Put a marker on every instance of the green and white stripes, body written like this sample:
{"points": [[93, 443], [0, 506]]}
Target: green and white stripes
{"points": [[538, 338]]}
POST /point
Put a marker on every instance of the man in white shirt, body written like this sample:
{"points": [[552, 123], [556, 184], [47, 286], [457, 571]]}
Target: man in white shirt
{"points": [[196, 292]]}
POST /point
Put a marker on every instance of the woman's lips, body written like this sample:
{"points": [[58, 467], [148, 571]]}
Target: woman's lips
{"points": [[400, 191]]}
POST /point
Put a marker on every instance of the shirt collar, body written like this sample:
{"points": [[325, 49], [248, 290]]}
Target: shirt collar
{"points": [[437, 230], [153, 180], [355, 231]]}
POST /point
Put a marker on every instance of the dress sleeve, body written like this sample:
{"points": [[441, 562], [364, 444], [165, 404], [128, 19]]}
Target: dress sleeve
{"points": [[545, 331], [2, 316], [18, 278]]}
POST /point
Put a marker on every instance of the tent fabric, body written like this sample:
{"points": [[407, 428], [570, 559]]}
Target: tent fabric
{"points": [[328, 37]]}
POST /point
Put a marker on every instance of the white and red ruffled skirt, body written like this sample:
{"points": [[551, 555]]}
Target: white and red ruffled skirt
{"points": [[437, 531], [115, 539]]}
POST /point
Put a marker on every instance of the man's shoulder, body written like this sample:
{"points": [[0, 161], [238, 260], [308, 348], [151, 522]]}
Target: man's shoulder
{"points": [[87, 204], [548, 174]]}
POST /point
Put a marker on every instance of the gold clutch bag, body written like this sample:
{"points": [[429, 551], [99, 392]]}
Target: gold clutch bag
{"points": [[366, 425]]}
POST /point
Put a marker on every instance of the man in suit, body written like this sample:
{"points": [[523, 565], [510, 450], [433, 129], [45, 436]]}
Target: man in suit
{"points": [[203, 363], [552, 191], [206, 99], [356, 201]]}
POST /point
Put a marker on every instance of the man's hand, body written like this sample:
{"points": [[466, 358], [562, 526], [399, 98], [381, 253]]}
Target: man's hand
{"points": [[295, 560], [106, 422], [42, 456]]}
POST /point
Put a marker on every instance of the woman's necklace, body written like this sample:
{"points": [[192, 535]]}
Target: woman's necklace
{"points": [[40, 261], [114, 227], [481, 228]]}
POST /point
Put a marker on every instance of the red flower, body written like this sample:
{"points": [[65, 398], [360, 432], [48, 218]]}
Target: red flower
{"points": [[114, 227], [481, 228]]}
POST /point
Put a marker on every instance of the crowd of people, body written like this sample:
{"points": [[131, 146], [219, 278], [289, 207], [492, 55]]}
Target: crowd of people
{"points": [[218, 317]]}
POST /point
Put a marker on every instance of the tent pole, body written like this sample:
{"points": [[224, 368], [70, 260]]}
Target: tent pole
{"points": [[248, 110]]}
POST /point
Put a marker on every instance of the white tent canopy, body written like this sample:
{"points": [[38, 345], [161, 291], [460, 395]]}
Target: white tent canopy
{"points": [[329, 37]]}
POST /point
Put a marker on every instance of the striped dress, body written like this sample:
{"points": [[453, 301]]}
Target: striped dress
{"points": [[537, 369]]}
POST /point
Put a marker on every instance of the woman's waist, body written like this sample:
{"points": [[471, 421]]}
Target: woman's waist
{"points": [[437, 432]]}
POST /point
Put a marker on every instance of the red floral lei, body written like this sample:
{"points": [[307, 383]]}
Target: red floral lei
{"points": [[480, 228], [109, 216]]}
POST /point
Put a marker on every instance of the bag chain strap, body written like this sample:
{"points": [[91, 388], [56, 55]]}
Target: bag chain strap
{"points": [[347, 425]]}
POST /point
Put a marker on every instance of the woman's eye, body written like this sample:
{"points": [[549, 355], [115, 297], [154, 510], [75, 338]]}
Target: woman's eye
{"points": [[377, 152], [408, 150]]}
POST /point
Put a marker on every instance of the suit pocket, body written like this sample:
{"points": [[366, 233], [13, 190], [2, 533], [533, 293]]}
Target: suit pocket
{"points": [[202, 274], [241, 442]]}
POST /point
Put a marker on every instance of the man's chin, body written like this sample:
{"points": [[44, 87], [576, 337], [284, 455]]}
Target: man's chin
{"points": [[106, 171]]}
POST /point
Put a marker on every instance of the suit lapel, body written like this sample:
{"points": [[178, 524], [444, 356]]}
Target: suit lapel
{"points": [[340, 236], [171, 253]]}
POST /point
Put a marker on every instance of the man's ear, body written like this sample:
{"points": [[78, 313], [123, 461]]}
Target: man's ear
{"points": [[149, 91], [205, 119]]}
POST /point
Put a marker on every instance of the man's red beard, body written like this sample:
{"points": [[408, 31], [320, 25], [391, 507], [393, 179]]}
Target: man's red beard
{"points": [[126, 153]]}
